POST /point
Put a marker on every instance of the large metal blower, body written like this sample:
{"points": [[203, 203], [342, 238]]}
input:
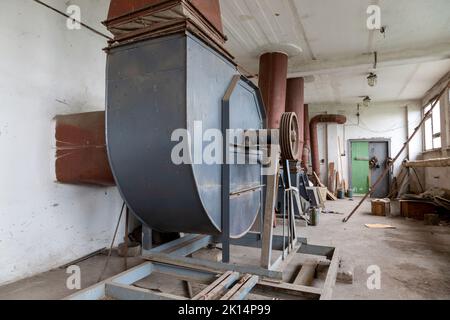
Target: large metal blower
{"points": [[155, 87], [172, 74]]}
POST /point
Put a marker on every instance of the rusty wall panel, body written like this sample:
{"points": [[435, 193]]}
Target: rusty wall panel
{"points": [[81, 156]]}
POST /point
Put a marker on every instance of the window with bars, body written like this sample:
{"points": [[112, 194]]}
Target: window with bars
{"points": [[433, 128]]}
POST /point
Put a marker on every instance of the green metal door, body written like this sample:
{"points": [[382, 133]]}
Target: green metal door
{"points": [[360, 167]]}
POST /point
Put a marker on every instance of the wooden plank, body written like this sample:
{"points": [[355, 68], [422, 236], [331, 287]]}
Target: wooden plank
{"points": [[242, 288], [291, 289], [330, 280], [322, 192], [331, 196], [432, 163], [318, 180], [269, 215], [307, 273], [338, 181], [218, 286], [331, 177], [211, 265]]}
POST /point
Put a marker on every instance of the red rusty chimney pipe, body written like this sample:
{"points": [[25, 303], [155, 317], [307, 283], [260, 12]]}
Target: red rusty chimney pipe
{"points": [[273, 70], [323, 118]]}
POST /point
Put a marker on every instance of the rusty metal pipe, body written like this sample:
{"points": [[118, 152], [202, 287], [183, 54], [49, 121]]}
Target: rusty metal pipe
{"points": [[272, 82], [323, 118], [295, 98]]}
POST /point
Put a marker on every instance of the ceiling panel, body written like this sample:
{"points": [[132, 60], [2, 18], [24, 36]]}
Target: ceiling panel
{"points": [[318, 33]]}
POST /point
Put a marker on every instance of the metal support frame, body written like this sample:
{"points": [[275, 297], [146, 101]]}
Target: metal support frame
{"points": [[226, 171], [234, 282]]}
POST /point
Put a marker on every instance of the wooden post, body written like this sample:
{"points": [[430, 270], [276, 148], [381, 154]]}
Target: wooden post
{"points": [[307, 273], [269, 214]]}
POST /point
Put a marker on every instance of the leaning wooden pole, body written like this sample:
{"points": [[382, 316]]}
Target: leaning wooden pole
{"points": [[386, 171]]}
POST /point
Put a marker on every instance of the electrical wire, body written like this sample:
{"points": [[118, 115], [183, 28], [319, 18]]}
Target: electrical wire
{"points": [[74, 20], [364, 126], [112, 244]]}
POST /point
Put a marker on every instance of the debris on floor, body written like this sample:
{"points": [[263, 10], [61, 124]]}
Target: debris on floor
{"points": [[331, 212], [435, 201], [345, 271], [379, 226]]}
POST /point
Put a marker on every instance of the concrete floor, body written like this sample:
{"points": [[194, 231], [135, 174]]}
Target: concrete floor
{"points": [[413, 259]]}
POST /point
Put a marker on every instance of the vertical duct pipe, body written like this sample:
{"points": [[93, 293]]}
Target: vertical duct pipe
{"points": [[307, 138], [324, 118], [295, 98], [272, 82]]}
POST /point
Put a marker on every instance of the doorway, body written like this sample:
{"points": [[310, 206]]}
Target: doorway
{"points": [[368, 160]]}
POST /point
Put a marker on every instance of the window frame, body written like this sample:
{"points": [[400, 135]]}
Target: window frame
{"points": [[433, 134]]}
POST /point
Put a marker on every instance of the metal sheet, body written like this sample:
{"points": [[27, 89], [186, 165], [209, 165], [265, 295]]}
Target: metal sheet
{"points": [[153, 88], [81, 156]]}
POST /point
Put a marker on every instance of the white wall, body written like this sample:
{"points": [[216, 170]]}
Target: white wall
{"points": [[385, 120], [46, 70]]}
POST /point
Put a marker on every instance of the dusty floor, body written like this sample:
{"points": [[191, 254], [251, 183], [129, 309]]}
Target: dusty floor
{"points": [[413, 259]]}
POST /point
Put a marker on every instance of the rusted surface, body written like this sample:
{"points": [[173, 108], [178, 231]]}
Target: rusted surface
{"points": [[81, 156], [272, 82], [307, 139], [324, 118], [134, 21], [295, 98], [119, 8], [210, 9]]}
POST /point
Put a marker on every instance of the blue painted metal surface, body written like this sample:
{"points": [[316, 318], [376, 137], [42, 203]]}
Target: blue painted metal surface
{"points": [[155, 87]]}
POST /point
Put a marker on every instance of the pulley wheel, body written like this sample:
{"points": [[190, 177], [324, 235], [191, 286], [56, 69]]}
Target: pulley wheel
{"points": [[289, 135]]}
